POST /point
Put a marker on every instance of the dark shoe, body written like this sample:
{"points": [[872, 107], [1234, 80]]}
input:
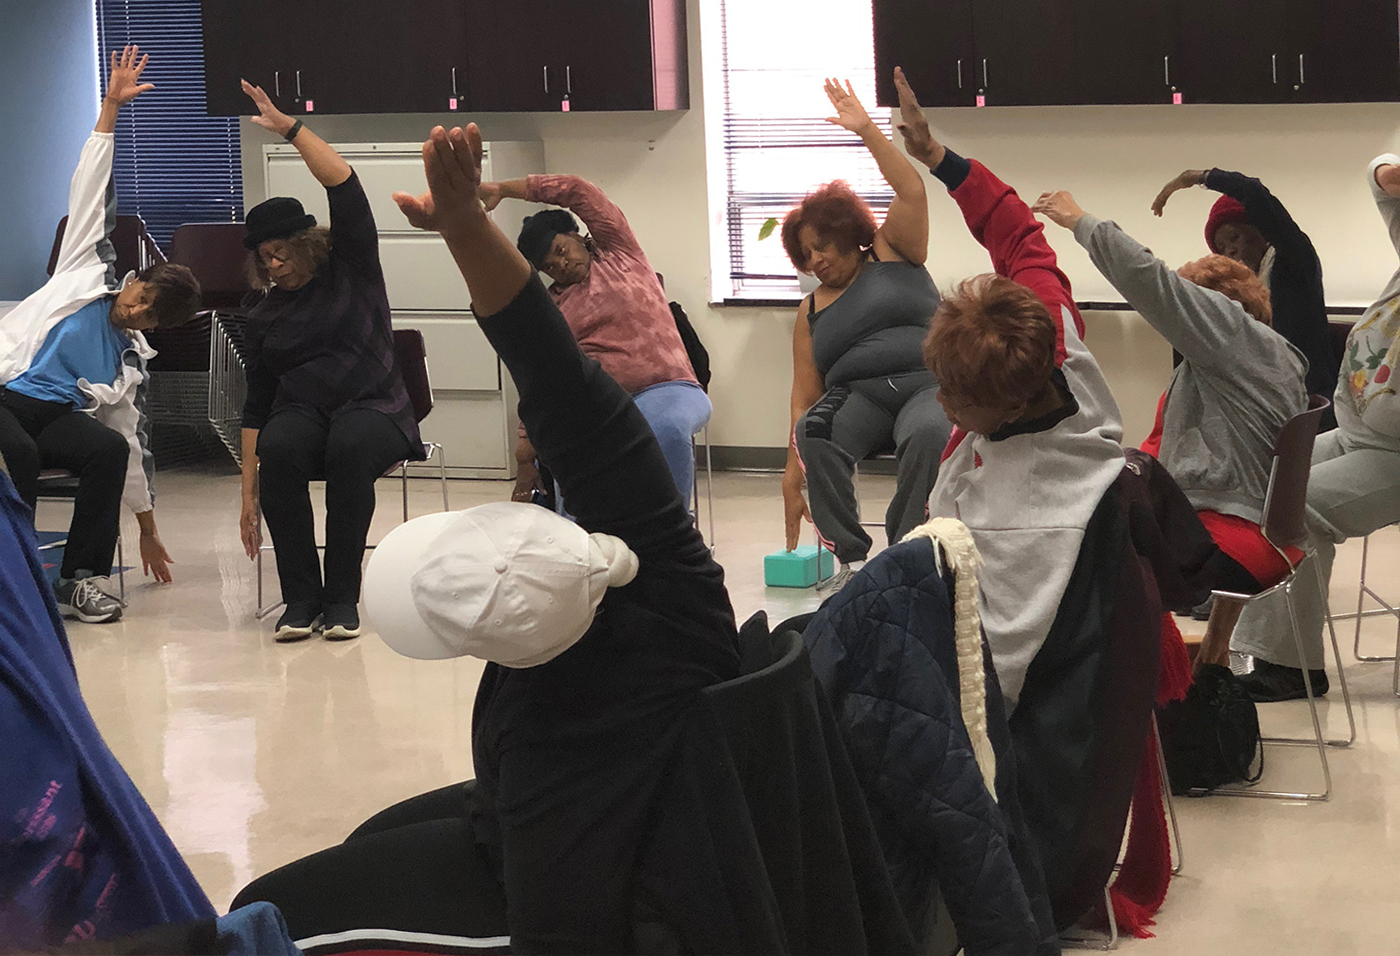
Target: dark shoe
{"points": [[1270, 683], [341, 622], [1201, 612], [298, 622], [84, 600]]}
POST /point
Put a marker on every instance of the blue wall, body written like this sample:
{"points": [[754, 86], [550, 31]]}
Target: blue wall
{"points": [[48, 70]]}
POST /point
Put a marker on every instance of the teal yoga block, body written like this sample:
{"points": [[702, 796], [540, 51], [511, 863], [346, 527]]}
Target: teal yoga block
{"points": [[797, 568]]}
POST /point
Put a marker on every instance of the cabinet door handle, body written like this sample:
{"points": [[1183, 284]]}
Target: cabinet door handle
{"points": [[454, 81], [1273, 59], [277, 82], [1302, 78], [546, 79], [1167, 70], [568, 80], [298, 84], [960, 74], [984, 72]]}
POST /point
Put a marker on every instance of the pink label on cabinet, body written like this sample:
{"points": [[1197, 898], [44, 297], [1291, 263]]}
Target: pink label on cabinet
{"points": [[452, 102], [310, 107], [1176, 99], [564, 106], [981, 100]]}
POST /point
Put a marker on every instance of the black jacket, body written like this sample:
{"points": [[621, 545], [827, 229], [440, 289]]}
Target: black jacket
{"points": [[1295, 282], [884, 648]]}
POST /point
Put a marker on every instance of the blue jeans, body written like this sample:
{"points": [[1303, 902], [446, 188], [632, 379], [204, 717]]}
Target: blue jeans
{"points": [[675, 411]]}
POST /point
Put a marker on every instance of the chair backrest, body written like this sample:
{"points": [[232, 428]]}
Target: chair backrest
{"points": [[135, 248], [214, 252], [412, 358], [1340, 331], [1285, 504]]}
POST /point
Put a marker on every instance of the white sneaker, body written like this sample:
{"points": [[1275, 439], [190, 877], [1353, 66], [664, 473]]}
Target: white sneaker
{"points": [[84, 600]]}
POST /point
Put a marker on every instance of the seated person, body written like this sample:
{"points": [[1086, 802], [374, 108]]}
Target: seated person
{"points": [[325, 397], [859, 384], [1036, 443], [578, 718], [73, 373], [1354, 486], [85, 858], [1238, 384], [1249, 224], [614, 303]]}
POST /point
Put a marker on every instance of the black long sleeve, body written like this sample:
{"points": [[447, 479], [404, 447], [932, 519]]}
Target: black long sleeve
{"points": [[590, 435], [1266, 214]]}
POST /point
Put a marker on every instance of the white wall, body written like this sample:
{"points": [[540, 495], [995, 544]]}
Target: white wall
{"points": [[1114, 159]]}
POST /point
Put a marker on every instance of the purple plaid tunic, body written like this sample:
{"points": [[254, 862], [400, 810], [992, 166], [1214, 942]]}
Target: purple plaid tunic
{"points": [[328, 347]]}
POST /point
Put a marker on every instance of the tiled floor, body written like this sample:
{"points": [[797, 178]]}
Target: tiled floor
{"points": [[254, 754]]}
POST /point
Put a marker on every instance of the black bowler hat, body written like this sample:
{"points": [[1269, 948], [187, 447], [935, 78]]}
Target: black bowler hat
{"points": [[275, 218]]}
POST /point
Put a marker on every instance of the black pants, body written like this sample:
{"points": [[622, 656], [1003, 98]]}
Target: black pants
{"points": [[34, 435], [415, 867], [350, 453]]}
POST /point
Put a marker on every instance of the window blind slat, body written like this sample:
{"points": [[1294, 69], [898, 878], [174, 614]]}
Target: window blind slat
{"points": [[173, 163], [777, 143]]}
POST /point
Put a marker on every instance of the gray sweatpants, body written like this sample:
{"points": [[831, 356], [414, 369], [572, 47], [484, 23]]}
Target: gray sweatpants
{"points": [[850, 422], [1351, 492]]}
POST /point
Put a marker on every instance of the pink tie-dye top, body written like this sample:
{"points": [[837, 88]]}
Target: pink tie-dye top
{"points": [[619, 315]]}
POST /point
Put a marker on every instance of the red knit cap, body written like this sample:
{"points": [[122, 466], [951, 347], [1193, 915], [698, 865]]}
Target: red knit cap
{"points": [[1226, 209]]}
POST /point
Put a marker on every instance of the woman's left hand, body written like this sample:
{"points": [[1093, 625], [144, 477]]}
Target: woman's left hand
{"points": [[155, 560], [269, 117], [1060, 208], [850, 114]]}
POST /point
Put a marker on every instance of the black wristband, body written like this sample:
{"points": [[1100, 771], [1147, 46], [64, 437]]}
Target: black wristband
{"points": [[291, 134]]}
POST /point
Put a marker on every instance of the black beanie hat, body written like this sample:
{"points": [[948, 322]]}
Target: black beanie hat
{"points": [[538, 231], [275, 218]]}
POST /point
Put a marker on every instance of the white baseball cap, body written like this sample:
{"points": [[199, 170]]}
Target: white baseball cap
{"points": [[506, 582]]}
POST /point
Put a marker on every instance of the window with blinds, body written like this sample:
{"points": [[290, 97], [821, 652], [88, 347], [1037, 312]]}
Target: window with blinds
{"points": [[776, 145], [173, 163]]}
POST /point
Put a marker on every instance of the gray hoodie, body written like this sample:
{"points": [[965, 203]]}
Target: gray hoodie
{"points": [[1238, 383]]}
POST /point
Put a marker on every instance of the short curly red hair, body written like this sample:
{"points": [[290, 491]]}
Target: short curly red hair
{"points": [[991, 343], [1234, 280], [836, 213]]}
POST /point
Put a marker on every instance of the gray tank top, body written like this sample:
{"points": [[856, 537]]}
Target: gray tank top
{"points": [[877, 326]]}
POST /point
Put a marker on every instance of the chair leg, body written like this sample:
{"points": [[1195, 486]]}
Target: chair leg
{"points": [[403, 478], [1316, 740], [1336, 656], [1084, 939], [1169, 800], [1364, 591], [710, 488], [121, 569], [442, 472], [263, 610]]}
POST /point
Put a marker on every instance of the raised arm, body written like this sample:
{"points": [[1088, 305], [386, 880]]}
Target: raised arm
{"points": [[904, 233], [1384, 177], [605, 221], [88, 194], [807, 388], [1265, 212], [324, 162], [583, 425]]}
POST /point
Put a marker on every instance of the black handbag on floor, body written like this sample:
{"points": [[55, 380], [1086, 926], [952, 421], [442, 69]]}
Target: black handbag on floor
{"points": [[1211, 738]]}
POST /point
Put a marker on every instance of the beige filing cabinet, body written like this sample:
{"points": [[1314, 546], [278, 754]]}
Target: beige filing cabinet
{"points": [[474, 401]]}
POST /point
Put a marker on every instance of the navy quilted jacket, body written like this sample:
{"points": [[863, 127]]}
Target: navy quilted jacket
{"points": [[883, 647]]}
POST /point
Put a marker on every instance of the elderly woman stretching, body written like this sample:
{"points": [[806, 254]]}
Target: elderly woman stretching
{"points": [[325, 399], [859, 383], [614, 303]]}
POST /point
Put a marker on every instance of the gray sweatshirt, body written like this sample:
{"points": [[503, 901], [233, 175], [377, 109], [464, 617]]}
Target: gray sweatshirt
{"points": [[1238, 383]]}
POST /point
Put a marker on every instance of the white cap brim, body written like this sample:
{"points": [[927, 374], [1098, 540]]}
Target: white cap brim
{"points": [[388, 589]]}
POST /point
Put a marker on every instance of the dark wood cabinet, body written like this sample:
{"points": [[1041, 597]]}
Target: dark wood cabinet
{"points": [[321, 56], [1065, 52], [932, 41]]}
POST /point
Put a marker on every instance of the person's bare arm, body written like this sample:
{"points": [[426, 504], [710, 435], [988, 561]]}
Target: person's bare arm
{"points": [[492, 193], [324, 162], [807, 388], [155, 560], [904, 233], [249, 522]]}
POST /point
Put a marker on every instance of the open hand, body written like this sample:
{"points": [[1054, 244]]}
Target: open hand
{"points": [[795, 511], [269, 117], [155, 560], [850, 114], [452, 204], [1189, 178], [250, 529], [1059, 207], [490, 195], [123, 85], [918, 140]]}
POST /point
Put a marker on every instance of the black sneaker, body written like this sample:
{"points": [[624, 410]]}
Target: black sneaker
{"points": [[1201, 612], [341, 622], [1270, 683], [298, 622], [83, 599]]}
